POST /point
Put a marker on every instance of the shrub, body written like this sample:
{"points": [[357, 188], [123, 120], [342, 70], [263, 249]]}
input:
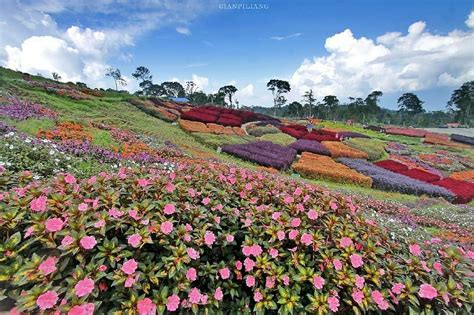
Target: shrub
{"points": [[338, 149], [265, 153], [302, 145], [278, 138], [193, 126], [467, 176], [462, 139], [258, 131], [390, 181], [422, 175], [375, 149], [391, 165], [464, 191], [323, 167]]}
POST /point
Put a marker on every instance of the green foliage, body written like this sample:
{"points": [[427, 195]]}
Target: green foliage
{"points": [[103, 138], [278, 138], [31, 126], [214, 141], [374, 148], [259, 131]]}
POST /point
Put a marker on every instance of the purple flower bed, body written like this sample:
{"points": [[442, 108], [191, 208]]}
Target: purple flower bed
{"points": [[19, 110], [398, 148], [462, 139], [302, 145], [351, 134], [4, 128], [387, 180], [265, 153]]}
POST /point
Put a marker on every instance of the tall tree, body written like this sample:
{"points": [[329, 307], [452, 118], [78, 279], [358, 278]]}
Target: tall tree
{"points": [[372, 103], [278, 87], [229, 91], [462, 103], [191, 87], [330, 102], [309, 98], [173, 89], [356, 108], [142, 73], [56, 76], [410, 103], [117, 76], [295, 109]]}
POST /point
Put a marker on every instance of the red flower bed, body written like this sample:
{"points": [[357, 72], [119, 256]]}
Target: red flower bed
{"points": [[292, 132], [316, 137], [411, 132], [300, 132], [229, 122], [464, 191], [197, 116], [392, 166], [421, 175], [223, 116]]}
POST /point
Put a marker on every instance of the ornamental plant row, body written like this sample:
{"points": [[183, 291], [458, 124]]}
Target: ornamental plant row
{"points": [[390, 181], [224, 116], [264, 153], [302, 145], [211, 238]]}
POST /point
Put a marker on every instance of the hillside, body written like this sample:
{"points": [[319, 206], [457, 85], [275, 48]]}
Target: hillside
{"points": [[113, 202]]}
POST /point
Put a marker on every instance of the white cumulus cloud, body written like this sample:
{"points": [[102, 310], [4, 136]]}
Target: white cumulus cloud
{"points": [[392, 62], [183, 30], [470, 20]]}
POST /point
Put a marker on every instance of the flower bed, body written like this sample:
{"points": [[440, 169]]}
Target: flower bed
{"points": [[375, 149], [219, 129], [319, 137], [467, 176], [439, 139], [414, 162], [265, 153], [442, 161], [338, 149], [422, 175], [190, 250], [302, 145], [391, 165], [397, 148], [223, 116], [462, 139], [278, 138], [19, 110], [411, 132], [66, 131], [390, 181], [150, 108], [193, 126], [215, 141], [323, 167], [464, 191], [300, 132], [259, 131]]}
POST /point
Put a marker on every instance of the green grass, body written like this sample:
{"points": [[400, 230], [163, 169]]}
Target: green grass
{"points": [[278, 138], [31, 126], [103, 138], [214, 141]]}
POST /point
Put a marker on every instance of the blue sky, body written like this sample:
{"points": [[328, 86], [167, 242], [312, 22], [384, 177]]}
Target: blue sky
{"points": [[181, 39]]}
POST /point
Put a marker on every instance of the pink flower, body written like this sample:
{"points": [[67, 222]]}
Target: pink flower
{"points": [[172, 303], [257, 296], [318, 282], [114, 213], [166, 227], [437, 266], [88, 242], [67, 240], [297, 191], [358, 296], [345, 242], [130, 281], [333, 303], [129, 266], [415, 249], [379, 300], [84, 309], [48, 266], [273, 252], [292, 235], [288, 199], [192, 253], [281, 235], [169, 187], [102, 268], [191, 192], [191, 274], [224, 273], [229, 238], [54, 224], [356, 260], [276, 215], [194, 296], [70, 179], [218, 295], [427, 291], [360, 281], [39, 204], [82, 207], [209, 238], [169, 209], [333, 206], [312, 215], [134, 240], [337, 264], [286, 280], [270, 282], [206, 201], [250, 281], [306, 239], [249, 264], [143, 182], [99, 224], [246, 250], [238, 265], [146, 307], [47, 300], [84, 287], [397, 288], [295, 222]]}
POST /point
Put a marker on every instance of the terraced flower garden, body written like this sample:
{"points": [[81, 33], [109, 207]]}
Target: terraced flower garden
{"points": [[111, 203]]}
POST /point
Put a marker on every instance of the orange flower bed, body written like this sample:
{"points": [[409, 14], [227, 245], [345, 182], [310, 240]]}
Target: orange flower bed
{"points": [[239, 131], [66, 131], [193, 126], [439, 139], [322, 167], [133, 148], [339, 149], [219, 129], [467, 176]]}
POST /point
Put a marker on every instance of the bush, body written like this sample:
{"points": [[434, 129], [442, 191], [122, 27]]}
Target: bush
{"points": [[390, 181], [278, 138], [375, 149], [464, 191], [263, 130], [339, 149], [323, 167], [265, 153], [212, 239], [302, 145]]}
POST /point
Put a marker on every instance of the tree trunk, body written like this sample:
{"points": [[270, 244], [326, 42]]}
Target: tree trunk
{"points": [[116, 88]]}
